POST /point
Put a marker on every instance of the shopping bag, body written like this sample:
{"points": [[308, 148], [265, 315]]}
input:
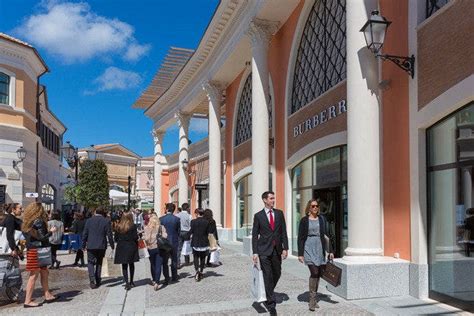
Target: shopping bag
{"points": [[44, 256], [212, 242], [141, 244], [215, 256], [257, 286], [332, 274], [143, 253], [187, 250]]}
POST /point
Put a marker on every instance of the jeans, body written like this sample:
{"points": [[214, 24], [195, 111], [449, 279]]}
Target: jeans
{"points": [[156, 261]]}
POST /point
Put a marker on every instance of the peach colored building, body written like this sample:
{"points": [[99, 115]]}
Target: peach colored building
{"points": [[27, 122], [310, 112]]}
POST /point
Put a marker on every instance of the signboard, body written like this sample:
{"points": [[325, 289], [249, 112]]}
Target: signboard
{"points": [[3, 189], [320, 118], [31, 195], [200, 186]]}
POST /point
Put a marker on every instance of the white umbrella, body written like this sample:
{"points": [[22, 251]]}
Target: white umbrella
{"points": [[119, 197]]}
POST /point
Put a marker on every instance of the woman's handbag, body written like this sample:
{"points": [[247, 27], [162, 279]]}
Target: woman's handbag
{"points": [[212, 242], [44, 256], [163, 243], [332, 274]]}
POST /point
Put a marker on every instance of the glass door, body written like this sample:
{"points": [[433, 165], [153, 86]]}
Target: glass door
{"points": [[330, 207]]}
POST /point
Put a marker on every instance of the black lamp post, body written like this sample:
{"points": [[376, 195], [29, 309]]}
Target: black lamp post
{"points": [[129, 191], [21, 153], [69, 153], [375, 30]]}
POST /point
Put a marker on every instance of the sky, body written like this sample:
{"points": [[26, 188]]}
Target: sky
{"points": [[102, 55]]}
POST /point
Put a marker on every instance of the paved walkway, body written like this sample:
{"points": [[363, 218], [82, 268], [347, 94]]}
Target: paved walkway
{"points": [[223, 291]]}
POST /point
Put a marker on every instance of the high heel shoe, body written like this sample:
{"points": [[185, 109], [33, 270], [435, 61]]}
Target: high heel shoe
{"points": [[132, 284], [127, 287]]}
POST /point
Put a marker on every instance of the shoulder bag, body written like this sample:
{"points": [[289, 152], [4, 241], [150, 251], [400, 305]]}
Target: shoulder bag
{"points": [[163, 243], [332, 274]]}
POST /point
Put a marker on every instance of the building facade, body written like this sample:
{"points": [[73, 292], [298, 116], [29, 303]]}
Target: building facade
{"points": [[310, 112], [26, 121]]}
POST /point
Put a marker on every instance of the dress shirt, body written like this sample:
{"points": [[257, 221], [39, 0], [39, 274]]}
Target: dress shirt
{"points": [[185, 220], [267, 211]]}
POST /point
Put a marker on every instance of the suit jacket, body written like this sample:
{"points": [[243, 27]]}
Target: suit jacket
{"points": [[200, 230], [264, 239], [173, 227], [303, 234], [96, 232]]}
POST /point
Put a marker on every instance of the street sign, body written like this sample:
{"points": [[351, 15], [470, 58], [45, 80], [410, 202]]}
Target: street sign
{"points": [[31, 195], [200, 186]]}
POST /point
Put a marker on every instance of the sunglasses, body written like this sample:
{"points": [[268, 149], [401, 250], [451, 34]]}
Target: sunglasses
{"points": [[314, 205]]}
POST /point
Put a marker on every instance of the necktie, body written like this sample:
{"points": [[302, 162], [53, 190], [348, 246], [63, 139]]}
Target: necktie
{"points": [[272, 221]]}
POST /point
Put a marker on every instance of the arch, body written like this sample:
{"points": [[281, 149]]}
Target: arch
{"points": [[320, 61]]}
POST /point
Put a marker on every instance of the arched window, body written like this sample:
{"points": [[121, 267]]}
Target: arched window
{"points": [[48, 197], [243, 130], [321, 59], [4, 88]]}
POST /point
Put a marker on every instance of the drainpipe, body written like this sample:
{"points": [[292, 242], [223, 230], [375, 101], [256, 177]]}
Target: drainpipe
{"points": [[38, 122]]}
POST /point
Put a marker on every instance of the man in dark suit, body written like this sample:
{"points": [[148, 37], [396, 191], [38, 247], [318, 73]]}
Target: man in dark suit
{"points": [[172, 224], [270, 245], [94, 238]]}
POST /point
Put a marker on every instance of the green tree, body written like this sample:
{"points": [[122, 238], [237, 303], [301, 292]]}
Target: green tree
{"points": [[70, 193], [93, 187]]}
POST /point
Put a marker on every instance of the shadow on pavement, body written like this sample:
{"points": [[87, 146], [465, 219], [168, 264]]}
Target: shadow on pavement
{"points": [[67, 296], [259, 308], [112, 281], [281, 297], [212, 274], [183, 275], [304, 297]]}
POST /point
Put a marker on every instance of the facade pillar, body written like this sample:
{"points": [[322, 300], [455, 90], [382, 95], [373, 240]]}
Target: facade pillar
{"points": [[363, 141], [214, 95], [157, 169], [260, 32], [183, 186]]}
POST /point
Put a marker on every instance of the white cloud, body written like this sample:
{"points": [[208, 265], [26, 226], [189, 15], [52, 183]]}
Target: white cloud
{"points": [[73, 32], [114, 78]]}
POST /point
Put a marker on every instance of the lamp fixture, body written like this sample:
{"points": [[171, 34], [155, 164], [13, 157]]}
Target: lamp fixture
{"points": [[91, 153], [21, 153], [184, 164], [149, 174], [374, 31]]}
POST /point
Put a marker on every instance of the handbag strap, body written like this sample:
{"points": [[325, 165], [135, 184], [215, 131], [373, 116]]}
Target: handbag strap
{"points": [[160, 231]]}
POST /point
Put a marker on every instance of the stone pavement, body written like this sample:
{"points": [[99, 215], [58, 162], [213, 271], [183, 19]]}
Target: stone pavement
{"points": [[223, 291]]}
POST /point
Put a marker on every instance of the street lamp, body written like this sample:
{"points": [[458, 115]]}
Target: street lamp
{"points": [[91, 152], [69, 153], [21, 153], [374, 31]]}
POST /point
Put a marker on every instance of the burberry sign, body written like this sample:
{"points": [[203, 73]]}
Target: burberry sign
{"points": [[319, 119]]}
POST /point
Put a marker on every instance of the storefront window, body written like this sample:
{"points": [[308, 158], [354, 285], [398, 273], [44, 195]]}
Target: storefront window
{"points": [[450, 208], [244, 207], [48, 197], [322, 176]]}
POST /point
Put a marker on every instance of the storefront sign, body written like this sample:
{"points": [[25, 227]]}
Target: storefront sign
{"points": [[321, 118]]}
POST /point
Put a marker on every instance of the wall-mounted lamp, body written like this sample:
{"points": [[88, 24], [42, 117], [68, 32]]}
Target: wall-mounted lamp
{"points": [[224, 166], [374, 32], [184, 164], [149, 174], [21, 153]]}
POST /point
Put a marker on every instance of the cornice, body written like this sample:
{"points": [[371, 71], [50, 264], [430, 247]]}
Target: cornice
{"points": [[214, 49], [22, 58]]}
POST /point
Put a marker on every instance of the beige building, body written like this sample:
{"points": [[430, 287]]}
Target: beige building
{"points": [[27, 122]]}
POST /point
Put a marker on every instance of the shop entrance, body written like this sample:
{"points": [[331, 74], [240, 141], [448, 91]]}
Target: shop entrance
{"points": [[332, 209]]}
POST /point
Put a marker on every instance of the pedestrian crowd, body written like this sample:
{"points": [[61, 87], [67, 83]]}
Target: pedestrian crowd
{"points": [[134, 235]]}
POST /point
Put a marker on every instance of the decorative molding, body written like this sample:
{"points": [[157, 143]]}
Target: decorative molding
{"points": [[183, 119], [158, 136], [213, 91], [20, 57], [261, 31]]}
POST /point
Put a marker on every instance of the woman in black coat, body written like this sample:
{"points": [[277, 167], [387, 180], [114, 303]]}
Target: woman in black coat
{"points": [[126, 252], [200, 230], [77, 228]]}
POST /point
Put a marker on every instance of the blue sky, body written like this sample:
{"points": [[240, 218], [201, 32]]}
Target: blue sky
{"points": [[102, 55]]}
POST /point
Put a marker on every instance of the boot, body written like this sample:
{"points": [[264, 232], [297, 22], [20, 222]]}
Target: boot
{"points": [[313, 288], [186, 260]]}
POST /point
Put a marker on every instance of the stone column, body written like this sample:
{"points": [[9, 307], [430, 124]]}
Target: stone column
{"points": [[363, 141], [183, 123], [214, 95], [157, 169], [260, 32]]}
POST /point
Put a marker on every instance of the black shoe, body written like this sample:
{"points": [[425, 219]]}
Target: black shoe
{"points": [[31, 306], [51, 267], [75, 264], [166, 282], [175, 279], [272, 311], [132, 284], [196, 277], [58, 263], [98, 282], [93, 285], [127, 286]]}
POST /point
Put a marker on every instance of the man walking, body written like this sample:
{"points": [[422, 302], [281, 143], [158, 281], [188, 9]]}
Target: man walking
{"points": [[270, 245], [173, 227], [185, 219], [94, 238]]}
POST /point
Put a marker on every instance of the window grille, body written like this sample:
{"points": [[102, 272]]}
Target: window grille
{"points": [[434, 5], [4, 88], [321, 60]]}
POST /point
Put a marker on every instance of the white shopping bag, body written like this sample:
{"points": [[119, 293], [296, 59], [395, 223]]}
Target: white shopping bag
{"points": [[215, 256], [143, 253], [257, 286], [187, 250]]}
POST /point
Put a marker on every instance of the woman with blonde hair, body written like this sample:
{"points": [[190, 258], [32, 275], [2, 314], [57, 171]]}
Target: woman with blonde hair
{"points": [[156, 255], [35, 229], [312, 247], [126, 253]]}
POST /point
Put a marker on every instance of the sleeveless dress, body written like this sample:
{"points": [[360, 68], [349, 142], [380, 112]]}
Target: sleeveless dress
{"points": [[313, 249]]}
